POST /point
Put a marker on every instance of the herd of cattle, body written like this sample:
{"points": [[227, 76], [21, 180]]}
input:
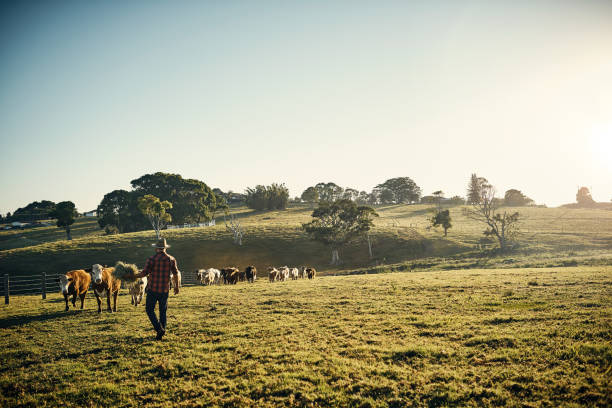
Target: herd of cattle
{"points": [[76, 283], [233, 275]]}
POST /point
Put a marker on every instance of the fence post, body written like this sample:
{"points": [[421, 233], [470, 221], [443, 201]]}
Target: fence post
{"points": [[44, 286], [6, 289]]}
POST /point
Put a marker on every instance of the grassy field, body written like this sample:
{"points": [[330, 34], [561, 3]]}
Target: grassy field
{"points": [[512, 337], [401, 238]]}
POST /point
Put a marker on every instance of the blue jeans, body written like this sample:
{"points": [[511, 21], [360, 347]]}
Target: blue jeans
{"points": [[152, 299]]}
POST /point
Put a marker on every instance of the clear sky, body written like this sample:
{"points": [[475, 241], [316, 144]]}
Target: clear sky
{"points": [[94, 94]]}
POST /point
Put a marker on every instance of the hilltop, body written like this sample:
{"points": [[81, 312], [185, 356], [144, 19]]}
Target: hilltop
{"points": [[401, 237]]}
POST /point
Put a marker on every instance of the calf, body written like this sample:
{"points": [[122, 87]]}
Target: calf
{"points": [[103, 282], [137, 290], [75, 283], [251, 273], [294, 273]]}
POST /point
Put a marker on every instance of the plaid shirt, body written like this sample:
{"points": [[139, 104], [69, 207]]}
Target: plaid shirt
{"points": [[158, 268]]}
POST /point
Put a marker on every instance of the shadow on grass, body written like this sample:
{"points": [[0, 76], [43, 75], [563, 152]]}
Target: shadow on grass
{"points": [[22, 320]]}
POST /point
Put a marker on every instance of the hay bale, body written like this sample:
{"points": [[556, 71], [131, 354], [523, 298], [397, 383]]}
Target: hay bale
{"points": [[125, 272]]}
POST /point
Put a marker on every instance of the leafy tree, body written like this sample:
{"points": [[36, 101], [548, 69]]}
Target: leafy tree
{"points": [[257, 198], [503, 226], [37, 210], [65, 213], [192, 200], [156, 211], [442, 218], [362, 198], [583, 197], [272, 197], [475, 188], [337, 223], [278, 196], [386, 196], [119, 209], [404, 189], [350, 194], [329, 191], [310, 195], [515, 198]]}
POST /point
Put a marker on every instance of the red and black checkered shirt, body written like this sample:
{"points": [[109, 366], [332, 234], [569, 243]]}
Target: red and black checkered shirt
{"points": [[158, 269]]}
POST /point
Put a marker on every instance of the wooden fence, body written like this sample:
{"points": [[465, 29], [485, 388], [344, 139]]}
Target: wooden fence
{"points": [[42, 284]]}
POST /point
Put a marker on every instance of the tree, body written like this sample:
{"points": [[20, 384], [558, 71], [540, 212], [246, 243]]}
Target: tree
{"points": [[503, 226], [583, 197], [329, 191], [310, 195], [442, 218], [474, 188], [515, 198], [278, 196], [192, 200], [273, 197], [65, 213], [37, 210], [119, 209], [386, 196], [350, 194], [404, 189], [156, 211], [337, 223]]}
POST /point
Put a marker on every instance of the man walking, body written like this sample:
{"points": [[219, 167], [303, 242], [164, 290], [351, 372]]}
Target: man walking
{"points": [[158, 269]]}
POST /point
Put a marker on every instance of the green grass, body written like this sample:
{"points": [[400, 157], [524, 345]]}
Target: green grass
{"points": [[20, 238], [401, 241], [442, 338]]}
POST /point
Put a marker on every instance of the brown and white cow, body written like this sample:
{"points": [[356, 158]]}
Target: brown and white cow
{"points": [[311, 272], [273, 274], [103, 282], [75, 283], [230, 275], [137, 290]]}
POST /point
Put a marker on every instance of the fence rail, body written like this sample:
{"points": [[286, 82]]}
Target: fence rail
{"points": [[40, 285]]}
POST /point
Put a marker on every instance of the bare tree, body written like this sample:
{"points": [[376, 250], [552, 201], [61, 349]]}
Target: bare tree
{"points": [[501, 225], [235, 228]]}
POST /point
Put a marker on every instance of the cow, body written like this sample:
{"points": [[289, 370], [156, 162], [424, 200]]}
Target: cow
{"points": [[137, 290], [230, 275], [206, 276], [303, 274], [75, 283], [311, 272], [217, 276], [103, 282], [273, 274], [284, 273], [294, 273], [251, 273]]}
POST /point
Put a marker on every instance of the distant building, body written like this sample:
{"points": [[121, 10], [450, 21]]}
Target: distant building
{"points": [[92, 213]]}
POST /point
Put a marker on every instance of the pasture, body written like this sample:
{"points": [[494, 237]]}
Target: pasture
{"points": [[401, 237], [505, 337]]}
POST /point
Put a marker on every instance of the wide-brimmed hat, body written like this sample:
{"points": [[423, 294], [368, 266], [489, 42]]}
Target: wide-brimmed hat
{"points": [[161, 244]]}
